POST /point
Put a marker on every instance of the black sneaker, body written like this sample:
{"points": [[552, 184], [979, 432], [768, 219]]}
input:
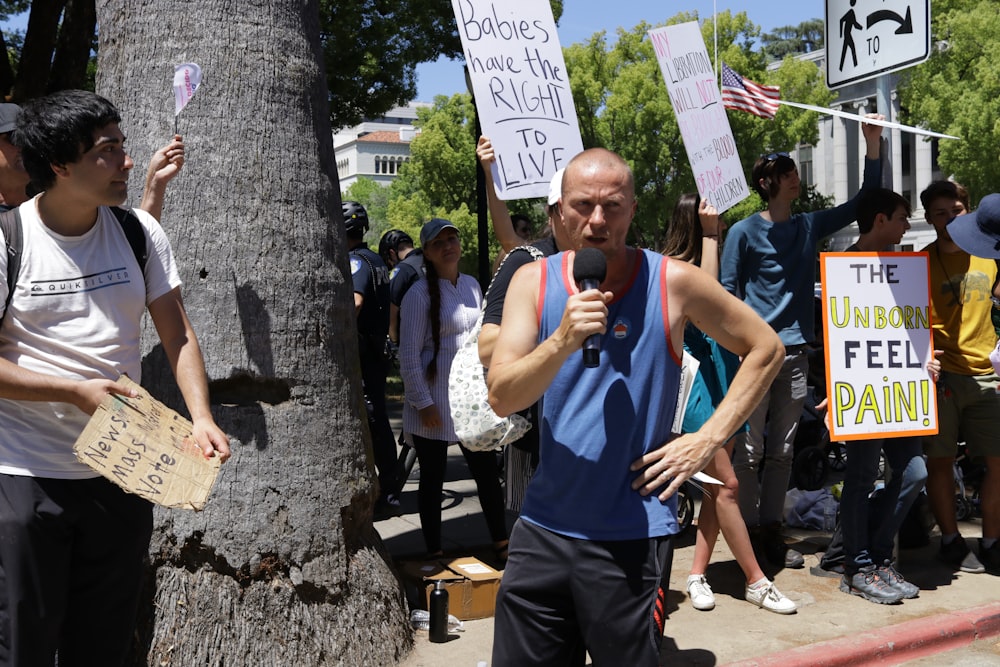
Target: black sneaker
{"points": [[776, 551], [869, 584], [960, 557], [990, 558]]}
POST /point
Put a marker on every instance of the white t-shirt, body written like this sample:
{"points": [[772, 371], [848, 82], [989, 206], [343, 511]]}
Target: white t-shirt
{"points": [[76, 313]]}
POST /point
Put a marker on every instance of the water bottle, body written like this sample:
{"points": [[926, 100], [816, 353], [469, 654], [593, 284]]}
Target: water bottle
{"points": [[438, 631]]}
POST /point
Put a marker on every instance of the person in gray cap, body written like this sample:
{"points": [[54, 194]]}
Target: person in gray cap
{"points": [[968, 404]]}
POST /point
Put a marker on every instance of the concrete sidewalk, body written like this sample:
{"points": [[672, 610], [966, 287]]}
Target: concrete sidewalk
{"points": [[830, 627]]}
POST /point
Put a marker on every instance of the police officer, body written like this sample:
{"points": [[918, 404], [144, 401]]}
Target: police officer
{"points": [[371, 307]]}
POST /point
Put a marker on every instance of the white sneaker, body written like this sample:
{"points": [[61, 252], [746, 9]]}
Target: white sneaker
{"points": [[770, 598], [700, 593]]}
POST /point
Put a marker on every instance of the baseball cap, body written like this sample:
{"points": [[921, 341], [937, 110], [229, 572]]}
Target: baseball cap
{"points": [[432, 228], [555, 187], [8, 117], [978, 233]]}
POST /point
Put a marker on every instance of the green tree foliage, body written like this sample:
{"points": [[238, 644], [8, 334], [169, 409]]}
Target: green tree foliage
{"points": [[622, 104], [957, 91], [790, 40]]}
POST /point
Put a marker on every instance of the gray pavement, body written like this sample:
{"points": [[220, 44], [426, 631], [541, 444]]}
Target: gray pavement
{"points": [[735, 630]]}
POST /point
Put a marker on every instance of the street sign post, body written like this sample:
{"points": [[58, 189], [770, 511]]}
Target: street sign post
{"points": [[866, 38]]}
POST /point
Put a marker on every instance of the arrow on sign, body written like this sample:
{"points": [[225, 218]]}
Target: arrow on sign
{"points": [[905, 23]]}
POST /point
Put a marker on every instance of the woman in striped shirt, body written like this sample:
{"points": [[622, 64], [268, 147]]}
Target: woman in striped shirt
{"points": [[435, 317]]}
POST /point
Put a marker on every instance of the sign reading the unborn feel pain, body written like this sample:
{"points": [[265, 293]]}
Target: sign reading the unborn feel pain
{"points": [[701, 118], [877, 335], [522, 91]]}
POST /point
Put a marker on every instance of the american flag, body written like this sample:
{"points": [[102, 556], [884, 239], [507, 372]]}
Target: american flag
{"points": [[745, 95]]}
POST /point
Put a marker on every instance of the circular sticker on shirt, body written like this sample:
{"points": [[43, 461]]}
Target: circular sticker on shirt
{"points": [[355, 265], [620, 328]]}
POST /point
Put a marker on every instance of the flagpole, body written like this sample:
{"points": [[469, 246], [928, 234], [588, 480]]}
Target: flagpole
{"points": [[715, 38]]}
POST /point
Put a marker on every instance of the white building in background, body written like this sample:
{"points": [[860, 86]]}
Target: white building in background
{"points": [[377, 147], [835, 164]]}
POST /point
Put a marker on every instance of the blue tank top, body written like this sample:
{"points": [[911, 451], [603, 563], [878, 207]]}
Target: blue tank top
{"points": [[596, 421]]}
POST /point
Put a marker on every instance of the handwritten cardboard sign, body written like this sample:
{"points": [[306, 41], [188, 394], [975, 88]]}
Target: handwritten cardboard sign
{"points": [[519, 80], [147, 449], [694, 94], [878, 340]]}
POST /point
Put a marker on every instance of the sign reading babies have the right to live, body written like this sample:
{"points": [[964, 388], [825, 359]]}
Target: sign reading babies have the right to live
{"points": [[877, 341], [522, 91]]}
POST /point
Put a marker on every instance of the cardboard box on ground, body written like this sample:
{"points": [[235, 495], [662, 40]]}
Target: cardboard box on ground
{"points": [[472, 585]]}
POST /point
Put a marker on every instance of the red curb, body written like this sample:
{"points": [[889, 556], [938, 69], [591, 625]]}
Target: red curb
{"points": [[893, 644]]}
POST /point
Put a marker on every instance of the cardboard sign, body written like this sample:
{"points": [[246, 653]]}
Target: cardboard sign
{"points": [[147, 449], [694, 94], [878, 340], [518, 77]]}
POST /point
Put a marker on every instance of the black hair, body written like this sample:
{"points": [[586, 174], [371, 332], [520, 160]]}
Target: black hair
{"points": [[949, 189], [434, 295], [770, 168], [684, 230], [58, 129], [879, 200]]}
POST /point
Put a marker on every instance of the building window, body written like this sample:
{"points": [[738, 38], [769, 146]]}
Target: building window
{"points": [[806, 172], [377, 158]]}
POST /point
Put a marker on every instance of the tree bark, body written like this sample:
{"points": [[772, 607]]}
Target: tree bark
{"points": [[283, 567]]}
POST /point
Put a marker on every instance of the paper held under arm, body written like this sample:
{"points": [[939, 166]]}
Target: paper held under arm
{"points": [[147, 449]]}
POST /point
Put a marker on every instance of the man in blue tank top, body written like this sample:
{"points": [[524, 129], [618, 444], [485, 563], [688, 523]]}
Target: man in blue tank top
{"points": [[590, 556]]}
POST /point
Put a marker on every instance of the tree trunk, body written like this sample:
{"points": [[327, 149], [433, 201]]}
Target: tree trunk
{"points": [[76, 37], [36, 56], [283, 567]]}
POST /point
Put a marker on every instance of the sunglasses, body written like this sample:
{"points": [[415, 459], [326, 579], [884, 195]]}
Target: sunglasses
{"points": [[771, 157]]}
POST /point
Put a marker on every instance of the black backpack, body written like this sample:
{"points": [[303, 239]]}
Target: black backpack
{"points": [[10, 224]]}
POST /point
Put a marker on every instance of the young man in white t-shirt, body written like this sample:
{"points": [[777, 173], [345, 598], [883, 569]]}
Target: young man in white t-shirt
{"points": [[71, 543]]}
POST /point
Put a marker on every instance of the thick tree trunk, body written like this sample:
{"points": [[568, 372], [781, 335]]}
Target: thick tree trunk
{"points": [[283, 567]]}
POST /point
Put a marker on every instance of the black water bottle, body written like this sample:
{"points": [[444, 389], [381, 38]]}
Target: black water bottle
{"points": [[438, 631]]}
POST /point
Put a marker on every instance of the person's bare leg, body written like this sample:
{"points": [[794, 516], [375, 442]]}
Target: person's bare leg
{"points": [[941, 492], [729, 518], [708, 525]]}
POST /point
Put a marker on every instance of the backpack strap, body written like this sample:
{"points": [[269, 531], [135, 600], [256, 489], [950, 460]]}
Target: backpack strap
{"points": [[10, 223], [136, 236]]}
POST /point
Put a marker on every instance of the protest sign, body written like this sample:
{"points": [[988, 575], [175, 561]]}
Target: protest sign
{"points": [[878, 340], [519, 80], [147, 449], [701, 118]]}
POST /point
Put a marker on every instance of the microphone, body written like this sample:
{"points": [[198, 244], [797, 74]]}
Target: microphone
{"points": [[589, 270]]}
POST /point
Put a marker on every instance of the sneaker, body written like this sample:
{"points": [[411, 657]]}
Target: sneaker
{"points": [[990, 558], [770, 598], [896, 581], [959, 557], [700, 593], [386, 508], [869, 584], [776, 551]]}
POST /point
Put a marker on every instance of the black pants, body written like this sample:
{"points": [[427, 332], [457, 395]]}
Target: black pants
{"points": [[433, 458], [71, 563], [373, 372]]}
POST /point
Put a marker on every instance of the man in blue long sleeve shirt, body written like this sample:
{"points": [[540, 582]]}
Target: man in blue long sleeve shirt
{"points": [[769, 261]]}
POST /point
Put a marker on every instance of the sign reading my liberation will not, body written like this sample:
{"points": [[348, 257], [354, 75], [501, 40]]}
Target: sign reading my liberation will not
{"points": [[877, 341], [701, 118], [147, 449]]}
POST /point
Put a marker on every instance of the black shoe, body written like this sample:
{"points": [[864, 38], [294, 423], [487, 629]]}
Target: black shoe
{"points": [[869, 584], [959, 557], [990, 558], [386, 508], [776, 551]]}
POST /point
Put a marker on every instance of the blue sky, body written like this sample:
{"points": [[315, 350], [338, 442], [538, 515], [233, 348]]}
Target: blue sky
{"points": [[582, 18]]}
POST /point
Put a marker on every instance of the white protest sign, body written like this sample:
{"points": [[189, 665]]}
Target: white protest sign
{"points": [[694, 94], [522, 91], [877, 335], [147, 449]]}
